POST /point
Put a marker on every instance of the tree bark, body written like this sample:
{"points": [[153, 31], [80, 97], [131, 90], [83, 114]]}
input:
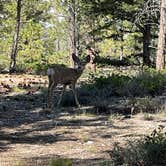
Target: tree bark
{"points": [[13, 54], [160, 60], [146, 43], [72, 29]]}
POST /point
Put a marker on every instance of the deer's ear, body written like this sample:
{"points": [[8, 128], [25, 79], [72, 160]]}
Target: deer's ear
{"points": [[75, 58], [87, 58]]}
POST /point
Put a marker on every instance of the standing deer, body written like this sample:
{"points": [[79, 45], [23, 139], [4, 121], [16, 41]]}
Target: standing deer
{"points": [[65, 76]]}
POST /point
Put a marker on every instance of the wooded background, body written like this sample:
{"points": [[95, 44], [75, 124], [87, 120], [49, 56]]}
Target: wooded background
{"points": [[36, 33], [122, 101]]}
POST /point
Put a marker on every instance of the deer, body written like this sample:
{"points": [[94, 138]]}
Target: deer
{"points": [[59, 74]]}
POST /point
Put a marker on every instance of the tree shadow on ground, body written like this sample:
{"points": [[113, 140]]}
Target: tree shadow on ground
{"points": [[28, 110]]}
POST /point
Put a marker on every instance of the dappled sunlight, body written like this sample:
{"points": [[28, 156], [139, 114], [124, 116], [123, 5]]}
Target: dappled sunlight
{"points": [[29, 129]]}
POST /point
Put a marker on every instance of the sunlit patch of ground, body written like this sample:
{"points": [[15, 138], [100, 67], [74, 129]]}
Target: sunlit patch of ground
{"points": [[29, 135]]}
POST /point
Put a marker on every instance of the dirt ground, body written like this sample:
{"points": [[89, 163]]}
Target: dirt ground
{"points": [[32, 136]]}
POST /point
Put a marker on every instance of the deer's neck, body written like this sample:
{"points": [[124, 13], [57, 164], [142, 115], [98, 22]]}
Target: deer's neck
{"points": [[79, 72]]}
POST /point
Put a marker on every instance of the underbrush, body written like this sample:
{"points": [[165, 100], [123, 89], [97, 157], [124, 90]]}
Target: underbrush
{"points": [[147, 83], [150, 150], [138, 92], [106, 91]]}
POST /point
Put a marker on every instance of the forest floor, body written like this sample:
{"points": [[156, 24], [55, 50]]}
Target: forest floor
{"points": [[32, 136]]}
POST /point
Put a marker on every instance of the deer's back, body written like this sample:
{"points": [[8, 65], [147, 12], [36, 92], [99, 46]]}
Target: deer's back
{"points": [[62, 74]]}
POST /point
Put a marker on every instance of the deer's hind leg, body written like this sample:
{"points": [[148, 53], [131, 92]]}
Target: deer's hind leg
{"points": [[75, 94], [61, 95], [51, 87]]}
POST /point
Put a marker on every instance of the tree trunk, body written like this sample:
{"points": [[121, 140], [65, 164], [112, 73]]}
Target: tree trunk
{"points": [[13, 54], [160, 60], [72, 30], [146, 43], [77, 26]]}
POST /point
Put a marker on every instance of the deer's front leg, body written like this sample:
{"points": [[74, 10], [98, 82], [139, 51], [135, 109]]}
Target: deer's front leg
{"points": [[61, 95], [75, 94], [51, 87]]}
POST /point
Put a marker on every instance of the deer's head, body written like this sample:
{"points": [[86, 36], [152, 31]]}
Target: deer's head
{"points": [[80, 65]]}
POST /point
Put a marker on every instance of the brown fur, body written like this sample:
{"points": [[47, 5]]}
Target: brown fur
{"points": [[65, 76]]}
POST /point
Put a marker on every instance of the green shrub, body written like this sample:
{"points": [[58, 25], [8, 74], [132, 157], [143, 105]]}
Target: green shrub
{"points": [[150, 150], [61, 162], [4, 63], [148, 117], [155, 147], [16, 89], [146, 104], [103, 81], [148, 83]]}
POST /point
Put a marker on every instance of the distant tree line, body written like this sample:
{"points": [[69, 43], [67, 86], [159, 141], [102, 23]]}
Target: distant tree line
{"points": [[37, 32]]}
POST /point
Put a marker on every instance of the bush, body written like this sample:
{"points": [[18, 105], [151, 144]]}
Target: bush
{"points": [[155, 147], [103, 81], [148, 83], [146, 104], [61, 162], [4, 63], [150, 150]]}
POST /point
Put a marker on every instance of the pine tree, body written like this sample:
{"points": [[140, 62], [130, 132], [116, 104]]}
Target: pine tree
{"points": [[160, 60], [15, 39]]}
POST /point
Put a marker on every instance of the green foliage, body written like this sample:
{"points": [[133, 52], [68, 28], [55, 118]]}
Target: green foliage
{"points": [[146, 104], [99, 82], [16, 89], [155, 146], [148, 83], [102, 81], [4, 63], [150, 150], [119, 80], [113, 47], [61, 162], [45, 31], [41, 35], [60, 57], [148, 117]]}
